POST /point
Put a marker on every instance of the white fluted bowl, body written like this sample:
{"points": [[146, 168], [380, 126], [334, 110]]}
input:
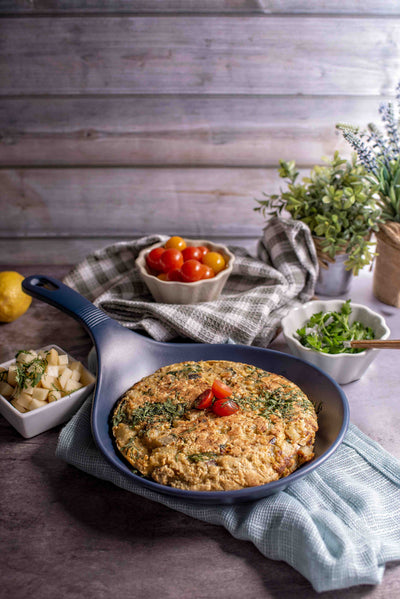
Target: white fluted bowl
{"points": [[344, 368], [175, 292]]}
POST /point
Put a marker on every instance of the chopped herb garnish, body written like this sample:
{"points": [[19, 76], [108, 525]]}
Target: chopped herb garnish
{"points": [[166, 411], [30, 373], [331, 332], [119, 414], [131, 446], [25, 351], [201, 457], [280, 401], [186, 370]]}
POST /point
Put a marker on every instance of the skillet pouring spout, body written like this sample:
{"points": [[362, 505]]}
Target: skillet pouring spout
{"points": [[124, 357]]}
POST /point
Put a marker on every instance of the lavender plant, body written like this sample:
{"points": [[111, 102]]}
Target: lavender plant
{"points": [[379, 152], [337, 203]]}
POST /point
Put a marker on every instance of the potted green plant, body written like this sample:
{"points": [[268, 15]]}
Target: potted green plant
{"points": [[379, 152], [337, 203]]}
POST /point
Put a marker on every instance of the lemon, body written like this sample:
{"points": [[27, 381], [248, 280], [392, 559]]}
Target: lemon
{"points": [[13, 301]]}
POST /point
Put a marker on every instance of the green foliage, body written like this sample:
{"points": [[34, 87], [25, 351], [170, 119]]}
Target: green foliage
{"points": [[380, 154], [388, 178], [331, 332], [337, 203], [30, 373]]}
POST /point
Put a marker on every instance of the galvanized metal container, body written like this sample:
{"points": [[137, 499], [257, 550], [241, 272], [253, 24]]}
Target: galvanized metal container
{"points": [[334, 280]]}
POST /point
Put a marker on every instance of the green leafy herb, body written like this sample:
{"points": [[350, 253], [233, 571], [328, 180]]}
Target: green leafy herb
{"points": [[130, 447], [119, 414], [331, 332], [281, 401], [186, 370], [30, 373], [202, 457], [166, 411]]}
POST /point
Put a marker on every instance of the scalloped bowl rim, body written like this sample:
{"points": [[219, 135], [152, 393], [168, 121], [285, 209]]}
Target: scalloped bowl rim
{"points": [[141, 263], [334, 303]]}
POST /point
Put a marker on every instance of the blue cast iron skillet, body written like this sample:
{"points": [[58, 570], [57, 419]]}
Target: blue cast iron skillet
{"points": [[124, 357]]}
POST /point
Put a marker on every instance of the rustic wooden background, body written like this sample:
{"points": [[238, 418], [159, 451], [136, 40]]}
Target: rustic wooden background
{"points": [[121, 118]]}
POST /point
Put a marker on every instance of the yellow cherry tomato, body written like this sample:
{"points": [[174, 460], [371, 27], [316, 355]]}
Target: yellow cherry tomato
{"points": [[214, 260], [175, 242], [162, 276]]}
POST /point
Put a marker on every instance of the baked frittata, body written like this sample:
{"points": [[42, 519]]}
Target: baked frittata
{"points": [[159, 431]]}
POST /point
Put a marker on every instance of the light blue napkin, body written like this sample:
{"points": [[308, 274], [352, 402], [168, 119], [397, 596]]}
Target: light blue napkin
{"points": [[338, 526]]}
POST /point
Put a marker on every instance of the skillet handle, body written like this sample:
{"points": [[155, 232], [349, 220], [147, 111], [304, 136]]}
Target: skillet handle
{"points": [[55, 293]]}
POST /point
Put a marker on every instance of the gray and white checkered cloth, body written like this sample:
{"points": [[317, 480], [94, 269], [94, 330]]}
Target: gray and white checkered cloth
{"points": [[259, 292]]}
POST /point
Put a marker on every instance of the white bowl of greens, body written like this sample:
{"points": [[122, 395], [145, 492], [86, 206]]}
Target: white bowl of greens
{"points": [[320, 332]]}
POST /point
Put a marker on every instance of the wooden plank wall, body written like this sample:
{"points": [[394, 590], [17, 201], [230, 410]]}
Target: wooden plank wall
{"points": [[120, 118]]}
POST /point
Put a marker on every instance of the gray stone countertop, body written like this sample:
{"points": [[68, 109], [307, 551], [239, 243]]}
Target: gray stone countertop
{"points": [[69, 535]]}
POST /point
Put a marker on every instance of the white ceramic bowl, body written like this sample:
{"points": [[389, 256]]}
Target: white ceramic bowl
{"points": [[344, 368], [172, 292], [30, 424]]}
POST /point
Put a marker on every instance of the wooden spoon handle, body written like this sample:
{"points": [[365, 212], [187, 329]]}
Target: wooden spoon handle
{"points": [[377, 343]]}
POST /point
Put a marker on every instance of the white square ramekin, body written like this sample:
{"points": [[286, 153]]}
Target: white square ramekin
{"points": [[30, 424]]}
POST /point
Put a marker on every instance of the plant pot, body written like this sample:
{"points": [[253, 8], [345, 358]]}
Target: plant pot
{"points": [[386, 279], [333, 278]]}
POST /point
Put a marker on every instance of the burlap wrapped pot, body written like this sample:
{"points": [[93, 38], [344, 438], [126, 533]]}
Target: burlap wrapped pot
{"points": [[386, 280]]}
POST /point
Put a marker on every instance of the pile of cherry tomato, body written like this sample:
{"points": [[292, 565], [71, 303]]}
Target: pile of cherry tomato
{"points": [[218, 399], [176, 261]]}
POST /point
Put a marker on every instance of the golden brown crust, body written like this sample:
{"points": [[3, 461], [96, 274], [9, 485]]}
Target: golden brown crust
{"points": [[157, 429]]}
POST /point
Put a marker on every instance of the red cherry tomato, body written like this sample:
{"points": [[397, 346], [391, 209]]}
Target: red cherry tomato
{"points": [[191, 271], [192, 253], [208, 272], [204, 400], [171, 258], [174, 275], [204, 250], [176, 242], [153, 259], [225, 407], [221, 390]]}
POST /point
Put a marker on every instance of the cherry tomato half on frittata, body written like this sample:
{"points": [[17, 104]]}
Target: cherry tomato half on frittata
{"points": [[225, 407], [220, 389], [204, 400]]}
